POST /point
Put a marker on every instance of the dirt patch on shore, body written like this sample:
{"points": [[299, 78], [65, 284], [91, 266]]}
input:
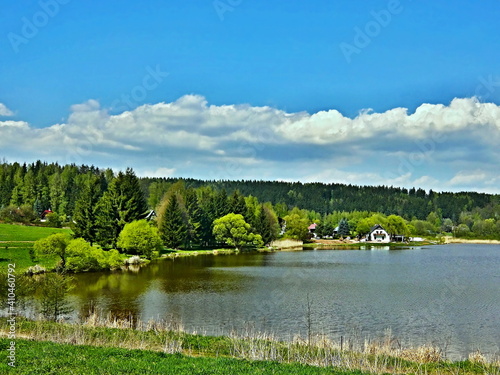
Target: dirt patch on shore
{"points": [[461, 240]]}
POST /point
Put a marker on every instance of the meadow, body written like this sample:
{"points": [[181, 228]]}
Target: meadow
{"points": [[16, 241], [39, 357]]}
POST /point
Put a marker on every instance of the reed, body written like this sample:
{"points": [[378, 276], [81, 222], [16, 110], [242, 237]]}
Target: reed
{"points": [[384, 356]]}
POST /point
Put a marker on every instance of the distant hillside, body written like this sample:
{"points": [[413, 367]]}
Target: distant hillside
{"points": [[325, 198]]}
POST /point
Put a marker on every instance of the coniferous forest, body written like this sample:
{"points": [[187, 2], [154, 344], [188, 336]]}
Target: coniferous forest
{"points": [[98, 203]]}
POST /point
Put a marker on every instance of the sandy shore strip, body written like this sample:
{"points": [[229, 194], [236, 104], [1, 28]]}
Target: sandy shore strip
{"points": [[462, 240]]}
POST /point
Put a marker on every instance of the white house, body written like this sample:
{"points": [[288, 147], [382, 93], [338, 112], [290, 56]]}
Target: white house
{"points": [[378, 234]]}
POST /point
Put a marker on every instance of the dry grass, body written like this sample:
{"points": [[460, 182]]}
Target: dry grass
{"points": [[286, 244], [385, 356]]}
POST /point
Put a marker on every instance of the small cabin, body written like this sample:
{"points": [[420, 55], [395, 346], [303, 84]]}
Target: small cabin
{"points": [[378, 234]]}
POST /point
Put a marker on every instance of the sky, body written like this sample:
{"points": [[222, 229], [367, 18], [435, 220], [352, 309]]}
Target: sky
{"points": [[394, 92]]}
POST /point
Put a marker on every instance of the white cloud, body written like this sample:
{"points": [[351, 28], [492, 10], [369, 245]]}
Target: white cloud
{"points": [[196, 139], [158, 173], [4, 111]]}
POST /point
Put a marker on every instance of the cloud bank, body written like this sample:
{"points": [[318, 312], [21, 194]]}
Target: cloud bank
{"points": [[443, 147]]}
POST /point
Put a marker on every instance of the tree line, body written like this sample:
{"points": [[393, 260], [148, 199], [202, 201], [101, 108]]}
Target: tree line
{"points": [[99, 203]]}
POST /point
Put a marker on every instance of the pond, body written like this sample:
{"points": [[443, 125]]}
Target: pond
{"points": [[445, 295]]}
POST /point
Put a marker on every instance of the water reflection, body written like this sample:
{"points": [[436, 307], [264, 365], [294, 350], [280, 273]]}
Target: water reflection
{"points": [[447, 295]]}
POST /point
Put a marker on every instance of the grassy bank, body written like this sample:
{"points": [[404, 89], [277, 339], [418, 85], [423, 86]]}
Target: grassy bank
{"points": [[51, 358], [147, 344], [16, 241], [12, 232]]}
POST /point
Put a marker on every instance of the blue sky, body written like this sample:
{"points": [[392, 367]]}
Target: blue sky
{"points": [[210, 75]]}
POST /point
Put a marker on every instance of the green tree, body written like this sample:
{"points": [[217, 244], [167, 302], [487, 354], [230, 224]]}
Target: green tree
{"points": [[53, 220], [58, 200], [85, 214], [106, 225], [194, 217], [54, 289], [297, 225], [461, 231], [364, 225], [157, 190], [139, 237], [396, 225], [55, 244], [79, 257], [267, 225], [29, 188], [235, 231], [237, 203], [172, 227], [122, 203], [82, 257], [128, 196], [344, 229]]}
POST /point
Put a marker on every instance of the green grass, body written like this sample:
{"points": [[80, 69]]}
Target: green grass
{"points": [[217, 354], [10, 232], [39, 357], [16, 241]]}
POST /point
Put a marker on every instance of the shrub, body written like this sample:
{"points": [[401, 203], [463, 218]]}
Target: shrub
{"points": [[139, 237], [53, 220], [81, 257], [13, 214]]}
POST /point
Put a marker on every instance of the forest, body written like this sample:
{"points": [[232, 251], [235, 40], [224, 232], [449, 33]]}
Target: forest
{"points": [[98, 203]]}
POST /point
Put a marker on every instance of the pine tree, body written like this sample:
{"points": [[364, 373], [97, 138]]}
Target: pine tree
{"points": [[122, 203], [173, 229], [194, 217], [344, 229], [221, 204], [207, 215], [267, 225], [38, 207], [237, 203], [85, 214], [106, 223], [130, 201]]}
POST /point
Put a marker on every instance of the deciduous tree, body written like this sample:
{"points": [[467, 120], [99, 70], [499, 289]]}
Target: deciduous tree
{"points": [[235, 231]]}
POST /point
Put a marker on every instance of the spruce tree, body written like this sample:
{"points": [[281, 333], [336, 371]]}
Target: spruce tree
{"points": [[344, 229], [173, 229], [237, 203], [107, 218], [194, 217], [129, 198], [85, 214], [267, 225]]}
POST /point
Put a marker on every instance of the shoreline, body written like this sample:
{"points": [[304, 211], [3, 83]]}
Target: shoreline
{"points": [[466, 241], [376, 356]]}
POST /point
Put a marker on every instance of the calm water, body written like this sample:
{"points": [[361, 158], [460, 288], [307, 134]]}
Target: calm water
{"points": [[446, 295]]}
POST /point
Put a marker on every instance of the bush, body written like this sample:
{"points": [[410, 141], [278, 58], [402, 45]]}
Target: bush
{"points": [[139, 237], [82, 257], [53, 220], [13, 214]]}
